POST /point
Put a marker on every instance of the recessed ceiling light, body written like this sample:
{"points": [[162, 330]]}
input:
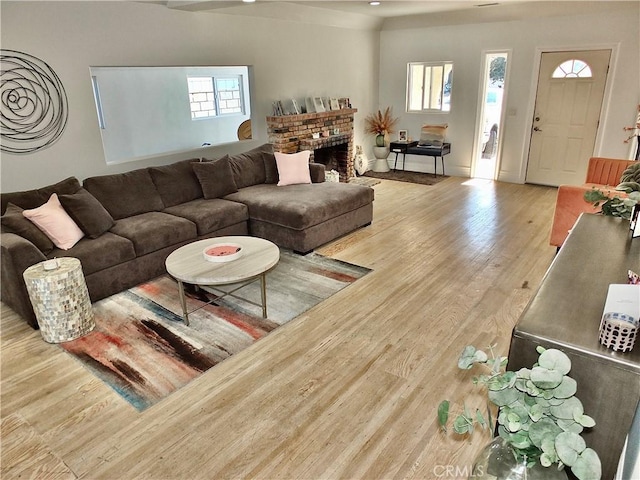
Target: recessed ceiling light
{"points": [[374, 3], [248, 1]]}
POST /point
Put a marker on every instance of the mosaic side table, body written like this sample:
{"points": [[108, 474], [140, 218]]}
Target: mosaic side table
{"points": [[60, 299]]}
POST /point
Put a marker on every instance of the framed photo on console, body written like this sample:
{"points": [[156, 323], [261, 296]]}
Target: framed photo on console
{"points": [[402, 136]]}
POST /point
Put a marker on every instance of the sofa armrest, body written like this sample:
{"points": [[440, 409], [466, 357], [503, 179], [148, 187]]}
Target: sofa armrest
{"points": [[18, 254], [317, 172], [570, 203]]}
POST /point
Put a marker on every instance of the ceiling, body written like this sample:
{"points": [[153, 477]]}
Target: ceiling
{"points": [[398, 13], [386, 9], [400, 8]]}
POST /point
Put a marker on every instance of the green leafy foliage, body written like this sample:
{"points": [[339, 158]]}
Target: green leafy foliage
{"points": [[538, 413], [615, 206], [443, 414]]}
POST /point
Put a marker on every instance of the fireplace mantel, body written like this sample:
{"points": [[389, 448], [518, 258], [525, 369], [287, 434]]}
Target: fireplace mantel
{"points": [[293, 133]]}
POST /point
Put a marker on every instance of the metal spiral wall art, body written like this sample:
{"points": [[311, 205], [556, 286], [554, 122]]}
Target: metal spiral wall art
{"points": [[33, 108]]}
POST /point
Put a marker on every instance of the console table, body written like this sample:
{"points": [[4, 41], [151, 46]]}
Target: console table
{"points": [[401, 147], [432, 151], [565, 314], [413, 148]]}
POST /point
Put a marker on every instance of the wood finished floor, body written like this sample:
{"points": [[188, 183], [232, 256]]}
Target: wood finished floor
{"points": [[349, 390]]}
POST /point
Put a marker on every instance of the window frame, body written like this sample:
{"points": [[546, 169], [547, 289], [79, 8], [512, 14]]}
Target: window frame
{"points": [[576, 71], [428, 102], [218, 110]]}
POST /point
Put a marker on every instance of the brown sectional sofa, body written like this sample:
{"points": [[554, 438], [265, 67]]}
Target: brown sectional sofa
{"points": [[145, 214]]}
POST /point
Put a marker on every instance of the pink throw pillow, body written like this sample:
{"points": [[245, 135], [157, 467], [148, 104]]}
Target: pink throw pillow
{"points": [[56, 224], [293, 168]]}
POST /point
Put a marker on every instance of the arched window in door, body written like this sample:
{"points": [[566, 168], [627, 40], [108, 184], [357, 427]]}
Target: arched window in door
{"points": [[573, 68]]}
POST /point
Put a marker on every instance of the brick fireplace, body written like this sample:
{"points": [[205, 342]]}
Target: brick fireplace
{"points": [[294, 133]]}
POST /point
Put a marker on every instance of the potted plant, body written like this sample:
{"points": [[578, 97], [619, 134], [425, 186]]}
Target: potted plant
{"points": [[539, 418], [381, 124]]}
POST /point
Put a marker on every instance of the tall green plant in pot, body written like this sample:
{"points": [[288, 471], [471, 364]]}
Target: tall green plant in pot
{"points": [[539, 417]]}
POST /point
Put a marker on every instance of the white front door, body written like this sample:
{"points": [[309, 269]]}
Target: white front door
{"points": [[567, 111]]}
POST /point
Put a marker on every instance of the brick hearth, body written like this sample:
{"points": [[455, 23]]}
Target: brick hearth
{"points": [[294, 133]]}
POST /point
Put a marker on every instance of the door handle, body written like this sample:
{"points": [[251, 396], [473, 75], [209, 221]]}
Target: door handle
{"points": [[536, 129]]}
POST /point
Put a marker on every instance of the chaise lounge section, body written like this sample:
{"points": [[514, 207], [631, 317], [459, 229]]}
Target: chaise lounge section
{"points": [[134, 220]]}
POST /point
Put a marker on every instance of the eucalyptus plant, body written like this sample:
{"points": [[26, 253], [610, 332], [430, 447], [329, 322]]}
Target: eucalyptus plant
{"points": [[615, 205], [539, 415]]}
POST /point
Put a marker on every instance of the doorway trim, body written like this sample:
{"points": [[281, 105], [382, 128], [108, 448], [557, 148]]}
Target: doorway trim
{"points": [[482, 95], [606, 97]]}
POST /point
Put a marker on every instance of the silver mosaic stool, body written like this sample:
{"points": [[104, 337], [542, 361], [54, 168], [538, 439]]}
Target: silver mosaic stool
{"points": [[60, 299]]}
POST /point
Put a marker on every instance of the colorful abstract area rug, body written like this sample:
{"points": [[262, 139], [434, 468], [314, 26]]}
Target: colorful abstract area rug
{"points": [[144, 351]]}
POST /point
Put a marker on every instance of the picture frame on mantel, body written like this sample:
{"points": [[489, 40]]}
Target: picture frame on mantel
{"points": [[308, 102], [290, 107], [318, 105], [296, 107], [333, 103], [344, 102]]}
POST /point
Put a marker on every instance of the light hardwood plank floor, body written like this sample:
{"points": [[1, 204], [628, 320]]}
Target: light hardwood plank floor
{"points": [[349, 390]]}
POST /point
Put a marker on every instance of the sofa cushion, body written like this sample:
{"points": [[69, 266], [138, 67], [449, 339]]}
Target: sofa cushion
{"points": [[271, 168], [16, 222], [152, 231], [35, 198], [176, 183], [97, 254], [606, 171], [302, 206], [249, 167], [433, 135], [56, 223], [216, 178], [293, 168], [88, 213], [211, 215], [126, 194]]}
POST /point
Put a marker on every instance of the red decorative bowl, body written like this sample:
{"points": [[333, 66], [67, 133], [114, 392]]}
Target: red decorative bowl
{"points": [[222, 252]]}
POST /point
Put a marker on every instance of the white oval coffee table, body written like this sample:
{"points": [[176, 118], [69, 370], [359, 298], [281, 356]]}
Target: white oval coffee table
{"points": [[188, 265]]}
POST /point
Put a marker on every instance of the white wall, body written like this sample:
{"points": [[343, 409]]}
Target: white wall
{"points": [[464, 45], [289, 59]]}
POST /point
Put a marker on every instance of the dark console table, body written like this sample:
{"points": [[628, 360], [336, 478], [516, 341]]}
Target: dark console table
{"points": [[413, 148], [565, 314], [401, 147], [432, 151]]}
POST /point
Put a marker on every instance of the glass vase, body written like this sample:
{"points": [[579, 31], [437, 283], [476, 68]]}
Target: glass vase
{"points": [[498, 462]]}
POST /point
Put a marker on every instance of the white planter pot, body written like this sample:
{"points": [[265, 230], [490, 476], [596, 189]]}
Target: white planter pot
{"points": [[381, 154]]}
